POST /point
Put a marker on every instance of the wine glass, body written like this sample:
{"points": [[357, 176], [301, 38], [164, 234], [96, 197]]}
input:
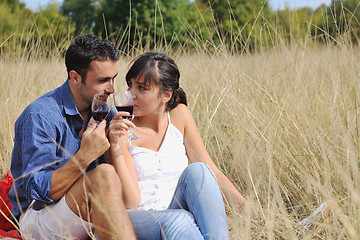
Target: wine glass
{"points": [[99, 107], [124, 102]]}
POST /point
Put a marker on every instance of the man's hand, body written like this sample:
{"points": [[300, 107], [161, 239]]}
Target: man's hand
{"points": [[94, 143]]}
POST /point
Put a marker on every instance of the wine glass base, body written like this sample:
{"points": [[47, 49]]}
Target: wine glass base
{"points": [[132, 138]]}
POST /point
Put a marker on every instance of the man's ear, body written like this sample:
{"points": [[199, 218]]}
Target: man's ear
{"points": [[74, 77], [166, 96]]}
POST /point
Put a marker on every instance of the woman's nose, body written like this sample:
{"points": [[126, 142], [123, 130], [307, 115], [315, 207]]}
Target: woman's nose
{"points": [[132, 92]]}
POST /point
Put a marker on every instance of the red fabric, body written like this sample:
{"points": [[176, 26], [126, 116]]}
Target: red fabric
{"points": [[11, 234], [5, 204]]}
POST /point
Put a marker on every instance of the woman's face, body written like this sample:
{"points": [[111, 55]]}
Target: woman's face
{"points": [[148, 98]]}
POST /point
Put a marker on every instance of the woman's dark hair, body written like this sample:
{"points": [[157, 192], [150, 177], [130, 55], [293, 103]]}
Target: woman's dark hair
{"points": [[162, 70], [87, 48]]}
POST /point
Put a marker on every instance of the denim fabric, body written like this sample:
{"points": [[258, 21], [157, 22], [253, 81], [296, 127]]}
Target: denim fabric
{"points": [[198, 192], [170, 224], [196, 211], [46, 137]]}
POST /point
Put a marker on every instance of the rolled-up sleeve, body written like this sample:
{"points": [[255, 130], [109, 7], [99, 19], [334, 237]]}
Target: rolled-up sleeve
{"points": [[39, 156]]}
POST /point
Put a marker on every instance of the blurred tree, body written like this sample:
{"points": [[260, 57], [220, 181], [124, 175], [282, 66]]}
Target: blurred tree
{"points": [[320, 25], [240, 23], [13, 4], [23, 31], [84, 13], [53, 29], [294, 24], [337, 22], [13, 17], [145, 22], [343, 18]]}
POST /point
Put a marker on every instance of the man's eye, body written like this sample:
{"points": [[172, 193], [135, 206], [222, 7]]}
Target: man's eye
{"points": [[105, 80]]}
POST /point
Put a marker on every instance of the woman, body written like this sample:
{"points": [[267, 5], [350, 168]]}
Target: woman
{"points": [[157, 175]]}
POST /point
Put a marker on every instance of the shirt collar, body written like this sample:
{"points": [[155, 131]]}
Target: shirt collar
{"points": [[68, 100]]}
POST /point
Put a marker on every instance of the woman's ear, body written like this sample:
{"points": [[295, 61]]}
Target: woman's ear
{"points": [[166, 96], [74, 77]]}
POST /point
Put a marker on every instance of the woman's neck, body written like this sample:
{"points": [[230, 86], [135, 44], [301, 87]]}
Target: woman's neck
{"points": [[156, 122]]}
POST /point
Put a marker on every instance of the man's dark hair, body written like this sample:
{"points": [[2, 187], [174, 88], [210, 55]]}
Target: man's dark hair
{"points": [[87, 48]]}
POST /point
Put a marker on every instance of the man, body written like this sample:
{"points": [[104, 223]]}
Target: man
{"points": [[63, 186], [56, 141]]}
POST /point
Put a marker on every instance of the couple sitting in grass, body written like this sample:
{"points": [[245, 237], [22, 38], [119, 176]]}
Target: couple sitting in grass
{"points": [[73, 176]]}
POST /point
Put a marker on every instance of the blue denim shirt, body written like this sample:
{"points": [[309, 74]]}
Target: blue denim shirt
{"points": [[46, 137]]}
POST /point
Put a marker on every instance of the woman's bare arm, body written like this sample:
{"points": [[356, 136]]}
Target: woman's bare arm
{"points": [[197, 152]]}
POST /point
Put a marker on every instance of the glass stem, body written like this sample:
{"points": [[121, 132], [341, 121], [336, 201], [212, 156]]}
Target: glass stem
{"points": [[131, 132]]}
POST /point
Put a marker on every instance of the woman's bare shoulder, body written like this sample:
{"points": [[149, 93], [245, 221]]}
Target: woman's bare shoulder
{"points": [[179, 116], [181, 110]]}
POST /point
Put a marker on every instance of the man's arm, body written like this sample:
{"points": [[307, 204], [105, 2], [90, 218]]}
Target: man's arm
{"points": [[94, 143], [43, 161]]}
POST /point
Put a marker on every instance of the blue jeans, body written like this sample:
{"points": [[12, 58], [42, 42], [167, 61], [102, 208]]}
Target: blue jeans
{"points": [[196, 211]]}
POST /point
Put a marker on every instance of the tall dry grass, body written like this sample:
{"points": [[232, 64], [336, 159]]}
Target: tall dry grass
{"points": [[282, 124]]}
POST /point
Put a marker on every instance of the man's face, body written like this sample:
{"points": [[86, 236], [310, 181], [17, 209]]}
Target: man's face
{"points": [[99, 79]]}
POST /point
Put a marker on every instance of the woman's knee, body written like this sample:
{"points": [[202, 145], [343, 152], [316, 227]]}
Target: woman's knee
{"points": [[199, 172]]}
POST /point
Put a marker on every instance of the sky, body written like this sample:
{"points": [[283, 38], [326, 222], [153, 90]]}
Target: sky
{"points": [[34, 4], [274, 4], [280, 4]]}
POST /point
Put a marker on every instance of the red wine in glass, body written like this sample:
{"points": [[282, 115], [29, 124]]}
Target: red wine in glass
{"points": [[126, 108], [100, 115], [99, 107], [124, 102]]}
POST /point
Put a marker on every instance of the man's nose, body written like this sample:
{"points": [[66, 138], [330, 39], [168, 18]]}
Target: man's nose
{"points": [[110, 89]]}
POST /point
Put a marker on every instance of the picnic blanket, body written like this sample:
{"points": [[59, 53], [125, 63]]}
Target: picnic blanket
{"points": [[7, 228]]}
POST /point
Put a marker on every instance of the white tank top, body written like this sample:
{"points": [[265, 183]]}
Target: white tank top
{"points": [[158, 172]]}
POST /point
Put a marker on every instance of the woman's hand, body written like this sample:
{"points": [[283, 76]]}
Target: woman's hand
{"points": [[118, 127], [119, 157]]}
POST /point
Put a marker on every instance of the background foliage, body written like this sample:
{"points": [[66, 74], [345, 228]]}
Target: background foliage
{"points": [[240, 25]]}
